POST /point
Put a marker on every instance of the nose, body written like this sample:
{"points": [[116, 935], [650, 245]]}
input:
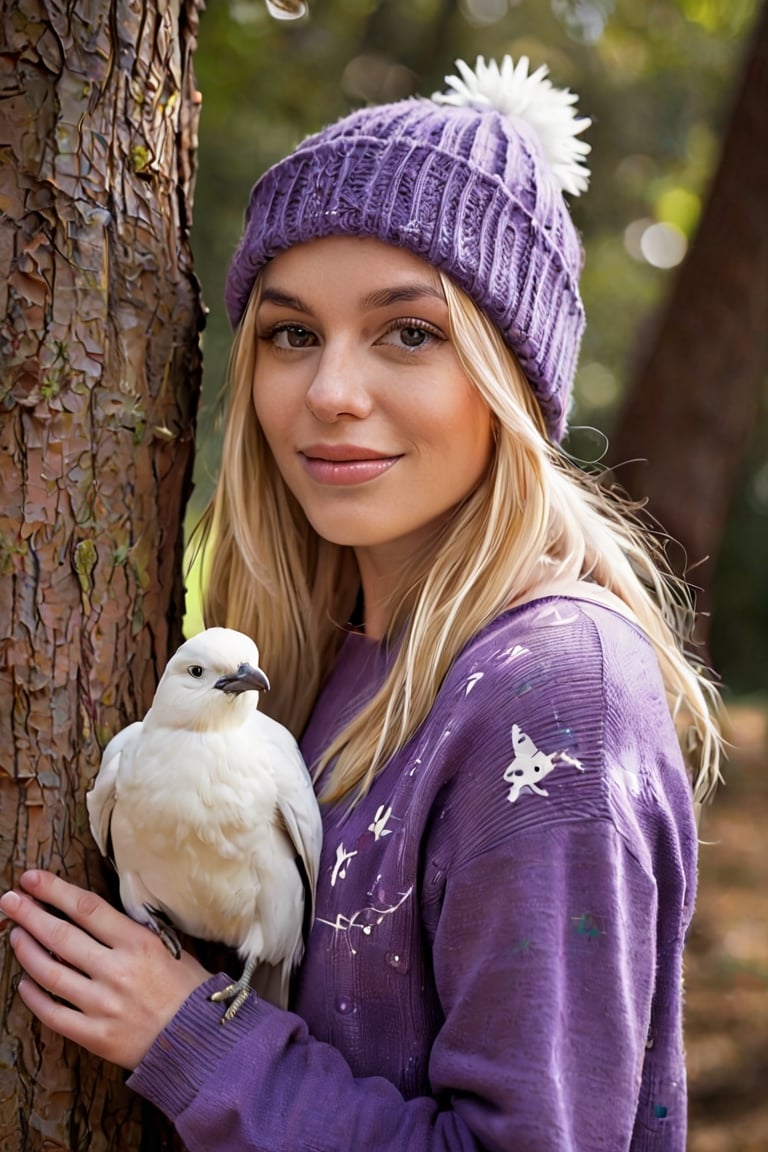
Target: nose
{"points": [[338, 386]]}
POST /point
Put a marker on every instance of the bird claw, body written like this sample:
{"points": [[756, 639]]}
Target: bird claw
{"points": [[237, 993], [164, 931], [171, 941]]}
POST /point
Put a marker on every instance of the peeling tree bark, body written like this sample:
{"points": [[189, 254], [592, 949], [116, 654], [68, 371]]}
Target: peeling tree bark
{"points": [[99, 378], [693, 407]]}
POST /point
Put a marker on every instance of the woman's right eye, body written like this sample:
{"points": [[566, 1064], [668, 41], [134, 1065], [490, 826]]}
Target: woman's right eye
{"points": [[291, 336]]}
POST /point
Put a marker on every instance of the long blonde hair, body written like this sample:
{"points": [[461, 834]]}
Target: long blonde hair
{"points": [[534, 518]]}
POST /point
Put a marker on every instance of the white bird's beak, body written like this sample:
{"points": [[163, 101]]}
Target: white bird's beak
{"points": [[246, 679]]}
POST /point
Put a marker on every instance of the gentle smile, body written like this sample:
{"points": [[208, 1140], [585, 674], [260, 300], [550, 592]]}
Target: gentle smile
{"points": [[346, 465]]}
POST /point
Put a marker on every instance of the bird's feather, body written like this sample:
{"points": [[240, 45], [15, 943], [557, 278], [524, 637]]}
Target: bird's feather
{"points": [[101, 799]]}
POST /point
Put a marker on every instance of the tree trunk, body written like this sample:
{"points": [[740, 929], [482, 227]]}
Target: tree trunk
{"points": [[99, 379], [686, 425]]}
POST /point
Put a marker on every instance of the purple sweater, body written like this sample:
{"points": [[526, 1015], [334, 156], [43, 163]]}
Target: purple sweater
{"points": [[496, 960]]}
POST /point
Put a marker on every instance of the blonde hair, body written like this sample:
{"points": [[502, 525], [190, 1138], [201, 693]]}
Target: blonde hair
{"points": [[534, 518]]}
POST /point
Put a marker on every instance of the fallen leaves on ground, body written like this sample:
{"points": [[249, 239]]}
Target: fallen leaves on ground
{"points": [[727, 956]]}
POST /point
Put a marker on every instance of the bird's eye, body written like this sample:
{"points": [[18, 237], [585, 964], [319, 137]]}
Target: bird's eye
{"points": [[195, 670]]}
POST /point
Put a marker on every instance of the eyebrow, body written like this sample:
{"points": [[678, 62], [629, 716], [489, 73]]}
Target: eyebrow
{"points": [[402, 294], [275, 296], [382, 298]]}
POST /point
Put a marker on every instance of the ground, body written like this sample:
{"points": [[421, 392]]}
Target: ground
{"points": [[727, 957]]}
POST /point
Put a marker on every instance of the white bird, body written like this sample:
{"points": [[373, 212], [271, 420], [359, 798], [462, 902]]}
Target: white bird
{"points": [[207, 810]]}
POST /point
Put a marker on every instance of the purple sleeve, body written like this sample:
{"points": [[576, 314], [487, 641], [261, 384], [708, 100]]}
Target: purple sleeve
{"points": [[544, 953]]}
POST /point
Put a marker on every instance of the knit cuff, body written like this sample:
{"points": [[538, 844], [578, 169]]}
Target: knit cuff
{"points": [[182, 1057]]}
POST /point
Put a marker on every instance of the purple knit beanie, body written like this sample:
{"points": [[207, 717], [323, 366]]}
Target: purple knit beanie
{"points": [[471, 181]]}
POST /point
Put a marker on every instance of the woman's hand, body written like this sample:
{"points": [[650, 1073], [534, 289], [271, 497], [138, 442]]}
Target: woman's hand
{"points": [[120, 983]]}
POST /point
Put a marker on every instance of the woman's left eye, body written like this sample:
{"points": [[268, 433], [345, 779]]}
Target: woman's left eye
{"points": [[409, 335]]}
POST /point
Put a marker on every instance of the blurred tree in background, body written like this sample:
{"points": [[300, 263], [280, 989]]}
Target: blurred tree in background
{"points": [[691, 407], [657, 79]]}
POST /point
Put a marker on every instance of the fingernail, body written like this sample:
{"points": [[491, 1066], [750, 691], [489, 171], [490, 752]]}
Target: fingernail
{"points": [[10, 901], [31, 879], [13, 936]]}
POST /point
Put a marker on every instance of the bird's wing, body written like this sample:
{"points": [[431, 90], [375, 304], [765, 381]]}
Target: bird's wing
{"points": [[299, 817], [100, 801], [297, 803]]}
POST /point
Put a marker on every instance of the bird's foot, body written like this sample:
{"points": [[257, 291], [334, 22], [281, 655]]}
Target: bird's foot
{"points": [[158, 924], [236, 993]]}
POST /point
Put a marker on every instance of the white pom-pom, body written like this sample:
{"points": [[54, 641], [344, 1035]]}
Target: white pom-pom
{"points": [[511, 90]]}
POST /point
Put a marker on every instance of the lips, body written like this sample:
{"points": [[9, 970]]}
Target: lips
{"points": [[341, 464], [343, 453]]}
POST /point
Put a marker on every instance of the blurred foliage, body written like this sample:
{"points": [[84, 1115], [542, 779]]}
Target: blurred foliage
{"points": [[657, 79]]}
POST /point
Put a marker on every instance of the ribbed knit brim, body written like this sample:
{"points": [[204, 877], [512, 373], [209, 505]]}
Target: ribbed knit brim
{"points": [[468, 192]]}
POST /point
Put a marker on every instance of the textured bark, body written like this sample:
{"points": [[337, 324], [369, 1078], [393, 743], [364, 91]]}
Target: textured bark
{"points": [[99, 377], [693, 406]]}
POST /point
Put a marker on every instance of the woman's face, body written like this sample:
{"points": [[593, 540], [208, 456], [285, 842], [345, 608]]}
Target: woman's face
{"points": [[372, 422]]}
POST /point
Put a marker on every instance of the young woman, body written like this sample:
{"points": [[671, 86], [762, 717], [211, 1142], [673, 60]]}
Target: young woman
{"points": [[480, 653]]}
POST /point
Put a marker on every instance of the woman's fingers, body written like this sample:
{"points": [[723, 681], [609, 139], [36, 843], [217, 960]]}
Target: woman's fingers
{"points": [[62, 998], [66, 941], [57, 978], [98, 918], [102, 925], [58, 1017], [120, 983]]}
